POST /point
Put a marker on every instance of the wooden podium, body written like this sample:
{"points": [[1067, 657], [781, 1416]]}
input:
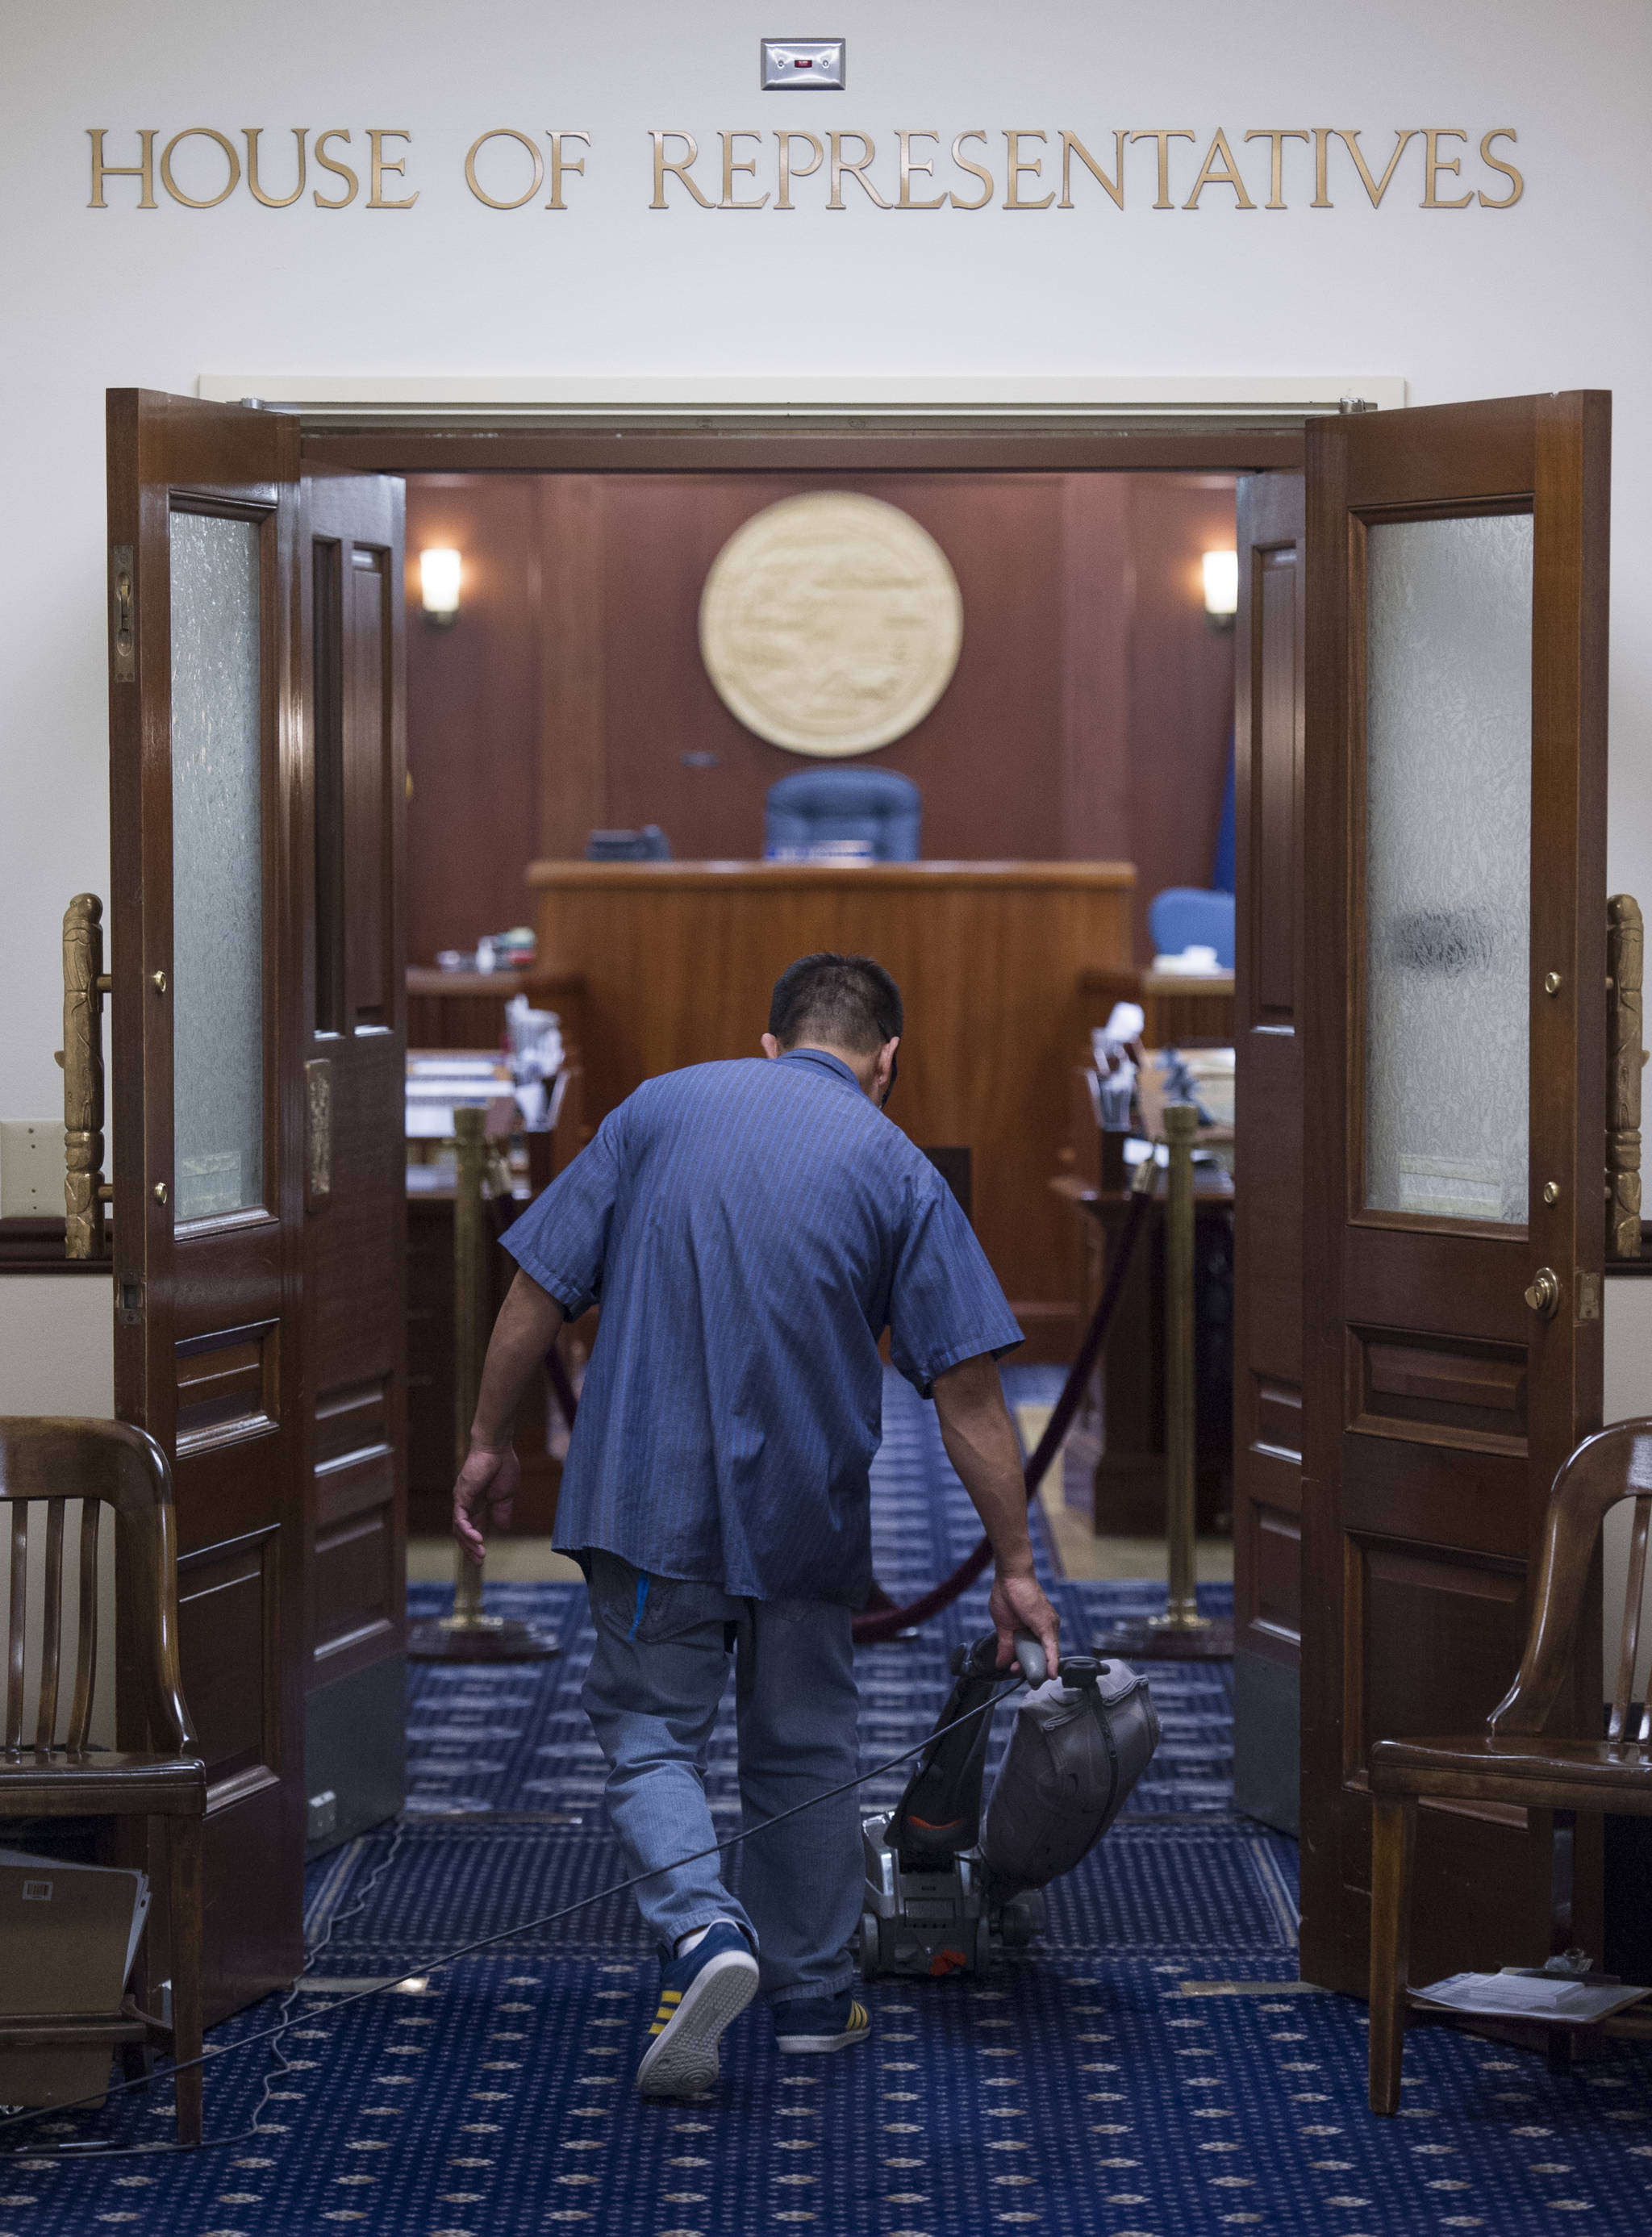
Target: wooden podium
{"points": [[678, 959]]}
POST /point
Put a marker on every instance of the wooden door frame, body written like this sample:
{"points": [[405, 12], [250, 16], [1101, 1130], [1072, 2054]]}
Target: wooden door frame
{"points": [[395, 423], [398, 446]]}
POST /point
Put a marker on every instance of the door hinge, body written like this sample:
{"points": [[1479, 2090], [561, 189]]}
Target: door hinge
{"points": [[124, 611]]}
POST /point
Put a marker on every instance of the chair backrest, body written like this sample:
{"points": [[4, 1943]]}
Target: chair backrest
{"points": [[1614, 1465], [875, 804], [46, 1463], [1189, 916]]}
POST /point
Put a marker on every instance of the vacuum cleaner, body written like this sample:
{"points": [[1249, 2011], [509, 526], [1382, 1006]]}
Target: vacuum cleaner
{"points": [[938, 1887]]}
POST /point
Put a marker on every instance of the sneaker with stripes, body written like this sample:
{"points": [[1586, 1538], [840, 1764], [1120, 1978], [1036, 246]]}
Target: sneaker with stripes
{"points": [[699, 1993], [821, 2023]]}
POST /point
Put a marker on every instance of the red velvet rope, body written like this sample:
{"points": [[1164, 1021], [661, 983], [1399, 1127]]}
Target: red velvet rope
{"points": [[883, 1623]]}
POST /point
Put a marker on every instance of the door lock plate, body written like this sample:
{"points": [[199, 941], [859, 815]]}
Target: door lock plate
{"points": [[123, 614]]}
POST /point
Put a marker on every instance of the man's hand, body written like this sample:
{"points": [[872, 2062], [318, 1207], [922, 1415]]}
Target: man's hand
{"points": [[981, 1444], [524, 1333], [1018, 1604], [486, 1486]]}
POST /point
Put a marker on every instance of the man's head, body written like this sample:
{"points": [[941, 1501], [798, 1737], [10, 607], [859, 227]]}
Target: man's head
{"points": [[846, 1004]]}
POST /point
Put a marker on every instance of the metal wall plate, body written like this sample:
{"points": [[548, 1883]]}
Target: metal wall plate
{"points": [[802, 66]]}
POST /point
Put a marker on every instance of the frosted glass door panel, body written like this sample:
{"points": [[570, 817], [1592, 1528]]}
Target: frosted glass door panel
{"points": [[217, 867], [1448, 856]]}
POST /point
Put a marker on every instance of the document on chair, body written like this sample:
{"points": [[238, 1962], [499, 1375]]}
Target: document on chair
{"points": [[1564, 1999], [64, 1926]]}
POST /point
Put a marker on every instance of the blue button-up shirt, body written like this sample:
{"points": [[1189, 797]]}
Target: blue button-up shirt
{"points": [[749, 1229]]}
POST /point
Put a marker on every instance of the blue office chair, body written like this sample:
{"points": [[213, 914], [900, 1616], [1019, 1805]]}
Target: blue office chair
{"points": [[1188, 916], [815, 804]]}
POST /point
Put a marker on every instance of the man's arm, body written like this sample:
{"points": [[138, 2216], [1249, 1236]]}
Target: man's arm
{"points": [[524, 1333], [981, 1443]]}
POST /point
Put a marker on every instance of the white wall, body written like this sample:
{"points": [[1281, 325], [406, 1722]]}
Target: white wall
{"points": [[1474, 303]]}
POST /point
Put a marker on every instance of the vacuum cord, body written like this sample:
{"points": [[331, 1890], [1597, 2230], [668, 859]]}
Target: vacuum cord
{"points": [[92, 2150]]}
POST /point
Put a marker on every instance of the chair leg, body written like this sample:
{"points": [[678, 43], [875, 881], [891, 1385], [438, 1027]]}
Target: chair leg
{"points": [[1393, 1841], [188, 1921]]}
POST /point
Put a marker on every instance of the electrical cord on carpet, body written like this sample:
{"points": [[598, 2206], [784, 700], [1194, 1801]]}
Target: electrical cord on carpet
{"points": [[93, 2150]]}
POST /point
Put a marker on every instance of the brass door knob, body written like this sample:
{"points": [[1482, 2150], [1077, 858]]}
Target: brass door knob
{"points": [[1543, 1295]]}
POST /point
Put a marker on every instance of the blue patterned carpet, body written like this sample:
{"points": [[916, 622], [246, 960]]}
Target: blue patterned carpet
{"points": [[1084, 2088]]}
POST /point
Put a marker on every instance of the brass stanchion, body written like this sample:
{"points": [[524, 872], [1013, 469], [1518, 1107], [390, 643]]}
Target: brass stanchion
{"points": [[1181, 1634], [1182, 1615], [469, 1634]]}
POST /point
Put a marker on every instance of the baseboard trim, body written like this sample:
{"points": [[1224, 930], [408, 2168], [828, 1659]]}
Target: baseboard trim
{"points": [[1267, 1741]]}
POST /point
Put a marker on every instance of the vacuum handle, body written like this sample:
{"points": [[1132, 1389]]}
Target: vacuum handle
{"points": [[1035, 1667], [1072, 1670]]}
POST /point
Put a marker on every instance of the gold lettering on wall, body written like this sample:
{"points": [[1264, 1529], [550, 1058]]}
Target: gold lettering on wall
{"points": [[254, 133], [857, 171], [732, 169], [198, 132], [379, 169], [560, 163], [1321, 137], [789, 170], [1434, 164], [678, 170], [1163, 201], [1503, 132], [503, 132], [1227, 176], [1020, 168], [143, 168], [976, 170], [1276, 172], [340, 170], [1071, 145], [910, 170], [801, 154], [1351, 141]]}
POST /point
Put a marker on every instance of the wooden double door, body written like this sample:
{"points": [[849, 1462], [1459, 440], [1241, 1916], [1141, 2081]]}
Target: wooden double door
{"points": [[1421, 1018], [256, 794]]}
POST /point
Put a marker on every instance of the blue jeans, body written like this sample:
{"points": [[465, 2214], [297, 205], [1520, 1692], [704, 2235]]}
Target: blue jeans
{"points": [[651, 1694]]}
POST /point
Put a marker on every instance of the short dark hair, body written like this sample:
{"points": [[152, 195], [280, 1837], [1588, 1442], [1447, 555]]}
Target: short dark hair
{"points": [[848, 1001]]}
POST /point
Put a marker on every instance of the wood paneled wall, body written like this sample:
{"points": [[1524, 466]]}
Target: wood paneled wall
{"points": [[1088, 717]]}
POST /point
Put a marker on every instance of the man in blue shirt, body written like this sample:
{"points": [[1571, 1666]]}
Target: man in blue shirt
{"points": [[749, 1230]]}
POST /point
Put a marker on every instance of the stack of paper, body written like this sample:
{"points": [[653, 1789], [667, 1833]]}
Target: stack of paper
{"points": [[68, 1934], [1562, 1999]]}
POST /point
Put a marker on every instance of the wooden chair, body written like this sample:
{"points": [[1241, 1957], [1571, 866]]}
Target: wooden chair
{"points": [[106, 1464], [1512, 1760]]}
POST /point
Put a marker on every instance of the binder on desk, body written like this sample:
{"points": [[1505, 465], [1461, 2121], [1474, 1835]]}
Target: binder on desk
{"points": [[69, 1933]]}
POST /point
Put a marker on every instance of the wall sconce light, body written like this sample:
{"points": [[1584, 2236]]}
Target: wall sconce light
{"points": [[1222, 589], [438, 586]]}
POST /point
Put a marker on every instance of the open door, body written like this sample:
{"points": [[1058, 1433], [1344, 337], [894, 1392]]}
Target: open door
{"points": [[1454, 1143], [355, 1216], [206, 800], [1267, 1210]]}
